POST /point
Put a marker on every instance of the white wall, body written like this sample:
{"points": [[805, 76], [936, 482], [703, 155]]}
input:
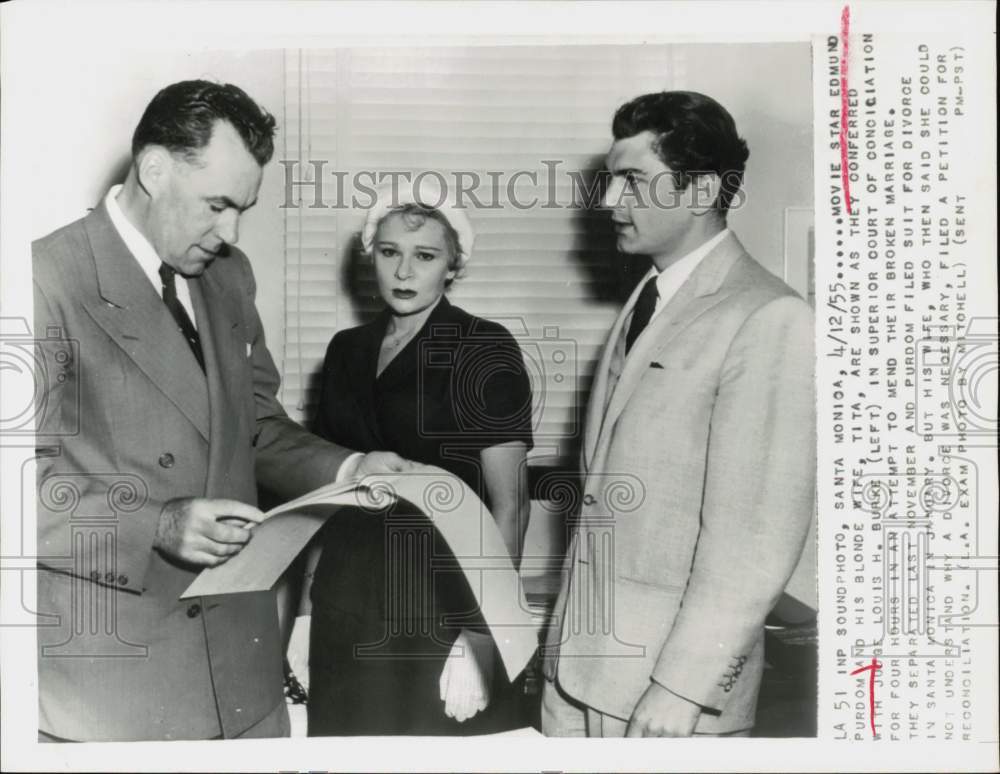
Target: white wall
{"points": [[776, 122]]}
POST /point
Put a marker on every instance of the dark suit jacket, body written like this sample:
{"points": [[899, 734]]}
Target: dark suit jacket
{"points": [[457, 387], [131, 422]]}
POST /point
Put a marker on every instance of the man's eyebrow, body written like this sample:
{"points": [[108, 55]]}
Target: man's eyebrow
{"points": [[626, 171], [230, 203]]}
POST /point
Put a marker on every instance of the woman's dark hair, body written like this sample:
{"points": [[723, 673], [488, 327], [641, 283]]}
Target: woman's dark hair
{"points": [[415, 215], [181, 118], [694, 135]]}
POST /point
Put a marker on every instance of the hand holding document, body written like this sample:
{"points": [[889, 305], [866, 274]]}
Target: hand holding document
{"points": [[456, 512]]}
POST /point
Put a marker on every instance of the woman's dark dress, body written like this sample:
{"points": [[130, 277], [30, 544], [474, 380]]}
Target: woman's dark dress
{"points": [[458, 386]]}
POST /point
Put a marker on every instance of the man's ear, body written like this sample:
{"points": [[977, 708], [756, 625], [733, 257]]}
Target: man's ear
{"points": [[154, 167], [704, 193]]}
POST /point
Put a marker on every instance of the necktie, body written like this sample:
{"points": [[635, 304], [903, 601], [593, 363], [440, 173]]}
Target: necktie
{"points": [[190, 333], [645, 305]]}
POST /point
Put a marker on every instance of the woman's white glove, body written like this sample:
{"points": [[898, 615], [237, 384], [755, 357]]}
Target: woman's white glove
{"points": [[467, 675], [298, 649]]}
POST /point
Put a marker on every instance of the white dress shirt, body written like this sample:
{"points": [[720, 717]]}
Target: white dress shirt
{"points": [[144, 253], [672, 277]]}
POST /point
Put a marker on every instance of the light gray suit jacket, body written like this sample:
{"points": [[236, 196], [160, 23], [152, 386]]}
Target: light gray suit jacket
{"points": [[699, 473], [133, 422]]}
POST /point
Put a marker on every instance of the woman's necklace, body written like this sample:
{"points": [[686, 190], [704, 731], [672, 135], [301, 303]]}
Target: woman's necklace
{"points": [[392, 344], [393, 341]]}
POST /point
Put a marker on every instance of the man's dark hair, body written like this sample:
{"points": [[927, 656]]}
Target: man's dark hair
{"points": [[694, 135], [182, 115]]}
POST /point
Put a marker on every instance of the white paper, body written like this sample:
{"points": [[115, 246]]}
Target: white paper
{"points": [[456, 512]]}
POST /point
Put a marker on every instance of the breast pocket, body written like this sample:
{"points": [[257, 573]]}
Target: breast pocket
{"points": [[239, 358]]}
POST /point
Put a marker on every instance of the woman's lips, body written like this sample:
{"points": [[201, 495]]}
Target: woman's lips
{"points": [[404, 293]]}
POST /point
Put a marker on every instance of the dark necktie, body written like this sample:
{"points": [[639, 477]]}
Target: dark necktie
{"points": [[190, 333], [645, 305]]}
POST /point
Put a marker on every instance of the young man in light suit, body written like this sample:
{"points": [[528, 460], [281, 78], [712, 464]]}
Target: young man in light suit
{"points": [[702, 413], [159, 409]]}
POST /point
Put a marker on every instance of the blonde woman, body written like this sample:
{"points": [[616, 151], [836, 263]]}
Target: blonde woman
{"points": [[442, 387]]}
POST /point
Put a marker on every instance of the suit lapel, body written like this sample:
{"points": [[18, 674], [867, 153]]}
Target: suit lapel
{"points": [[440, 323], [364, 378], [698, 294], [218, 316], [401, 375], [603, 386], [134, 316]]}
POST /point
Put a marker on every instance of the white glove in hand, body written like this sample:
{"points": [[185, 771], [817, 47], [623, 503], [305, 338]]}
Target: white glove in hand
{"points": [[298, 649], [467, 676]]}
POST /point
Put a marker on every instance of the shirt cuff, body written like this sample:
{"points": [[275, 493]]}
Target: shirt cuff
{"points": [[349, 468], [709, 710]]}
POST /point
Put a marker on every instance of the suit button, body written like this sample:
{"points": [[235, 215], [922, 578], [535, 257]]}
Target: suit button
{"points": [[109, 577], [95, 575], [122, 580], [166, 460], [589, 500], [194, 610]]}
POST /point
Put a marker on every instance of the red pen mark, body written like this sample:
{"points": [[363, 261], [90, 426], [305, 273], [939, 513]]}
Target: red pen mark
{"points": [[871, 668], [845, 26]]}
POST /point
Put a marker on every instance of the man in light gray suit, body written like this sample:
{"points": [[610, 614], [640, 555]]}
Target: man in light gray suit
{"points": [[703, 411], [161, 424]]}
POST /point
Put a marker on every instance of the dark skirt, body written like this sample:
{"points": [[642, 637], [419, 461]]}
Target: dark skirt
{"points": [[391, 689], [377, 649]]}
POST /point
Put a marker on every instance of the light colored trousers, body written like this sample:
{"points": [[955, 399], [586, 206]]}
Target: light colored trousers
{"points": [[563, 716]]}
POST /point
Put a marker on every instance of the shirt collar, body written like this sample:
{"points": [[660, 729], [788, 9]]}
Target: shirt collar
{"points": [[672, 277], [134, 240]]}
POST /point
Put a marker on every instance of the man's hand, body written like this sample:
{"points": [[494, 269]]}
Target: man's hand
{"points": [[662, 713], [194, 530], [380, 463]]}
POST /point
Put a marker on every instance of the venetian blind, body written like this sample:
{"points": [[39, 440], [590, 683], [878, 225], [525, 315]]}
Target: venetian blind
{"points": [[520, 120]]}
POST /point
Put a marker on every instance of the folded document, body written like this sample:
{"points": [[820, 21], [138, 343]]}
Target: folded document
{"points": [[456, 512]]}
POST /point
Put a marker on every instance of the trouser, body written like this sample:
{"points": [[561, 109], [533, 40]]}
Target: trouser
{"points": [[274, 724], [564, 716]]}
